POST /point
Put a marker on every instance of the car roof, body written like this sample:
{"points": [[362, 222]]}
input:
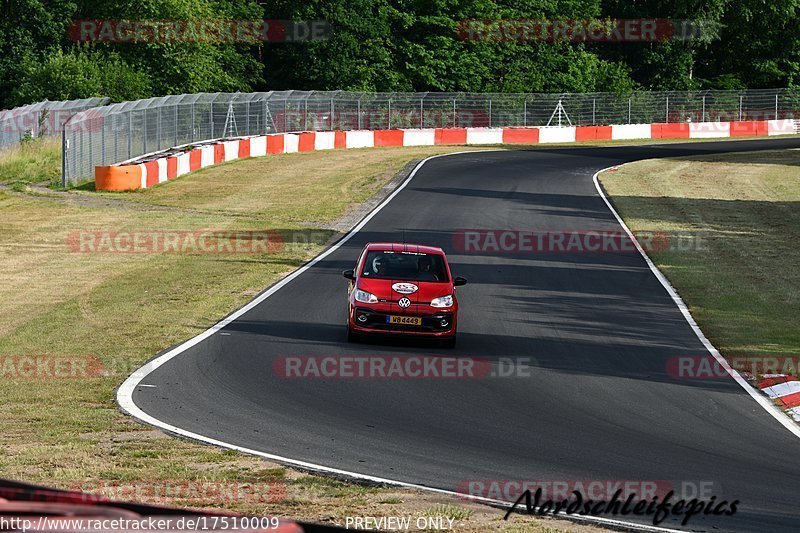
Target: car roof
{"points": [[405, 247]]}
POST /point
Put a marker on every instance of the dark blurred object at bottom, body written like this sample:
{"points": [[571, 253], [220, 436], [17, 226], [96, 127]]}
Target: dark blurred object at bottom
{"points": [[43, 509]]}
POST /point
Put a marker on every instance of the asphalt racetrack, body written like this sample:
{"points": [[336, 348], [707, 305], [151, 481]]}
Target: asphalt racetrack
{"points": [[596, 331]]}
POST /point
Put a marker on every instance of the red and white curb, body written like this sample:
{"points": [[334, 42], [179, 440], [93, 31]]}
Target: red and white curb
{"points": [[158, 168], [784, 390]]}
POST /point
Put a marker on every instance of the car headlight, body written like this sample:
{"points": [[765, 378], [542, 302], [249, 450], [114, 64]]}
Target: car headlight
{"points": [[366, 297], [442, 301]]}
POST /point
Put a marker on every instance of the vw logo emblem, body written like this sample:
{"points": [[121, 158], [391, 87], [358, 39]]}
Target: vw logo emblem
{"points": [[404, 302]]}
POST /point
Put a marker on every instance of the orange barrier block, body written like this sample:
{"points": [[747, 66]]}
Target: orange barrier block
{"points": [[655, 131], [592, 133], [677, 130], [750, 128], [521, 135], [450, 136], [172, 167], [388, 137], [244, 148], [152, 173], [340, 139], [585, 133], [124, 178], [275, 144], [219, 153], [195, 159], [306, 140]]}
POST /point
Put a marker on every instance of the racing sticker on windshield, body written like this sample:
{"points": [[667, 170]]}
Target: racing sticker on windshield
{"points": [[405, 288]]}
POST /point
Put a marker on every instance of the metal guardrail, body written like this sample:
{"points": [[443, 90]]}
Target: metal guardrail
{"points": [[40, 119], [119, 132]]}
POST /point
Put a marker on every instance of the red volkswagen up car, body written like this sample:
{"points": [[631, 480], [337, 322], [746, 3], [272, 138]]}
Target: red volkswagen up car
{"points": [[404, 289]]}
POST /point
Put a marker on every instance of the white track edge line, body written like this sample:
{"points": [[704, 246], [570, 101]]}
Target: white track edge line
{"points": [[127, 388], [768, 406]]}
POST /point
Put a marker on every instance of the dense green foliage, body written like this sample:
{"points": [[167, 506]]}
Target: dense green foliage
{"points": [[391, 45]]}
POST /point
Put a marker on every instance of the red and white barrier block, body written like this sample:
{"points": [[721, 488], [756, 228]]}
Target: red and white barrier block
{"points": [[784, 390], [139, 175]]}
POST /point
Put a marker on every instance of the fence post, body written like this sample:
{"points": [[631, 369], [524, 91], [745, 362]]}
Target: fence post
{"points": [[193, 134], [490, 112], [740, 107], [629, 110], [525, 113], [144, 131], [247, 118], [91, 151], [176, 126], [389, 116], [594, 111], [332, 110], [211, 115], [703, 116], [776, 106], [305, 114], [455, 114], [103, 144], [421, 122], [116, 140], [666, 117], [158, 129], [130, 134], [358, 110], [64, 148]]}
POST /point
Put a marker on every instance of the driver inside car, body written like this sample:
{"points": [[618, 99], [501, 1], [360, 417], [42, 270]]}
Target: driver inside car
{"points": [[424, 265], [380, 266]]}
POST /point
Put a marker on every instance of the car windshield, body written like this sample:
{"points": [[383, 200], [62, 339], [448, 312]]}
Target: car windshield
{"points": [[410, 266]]}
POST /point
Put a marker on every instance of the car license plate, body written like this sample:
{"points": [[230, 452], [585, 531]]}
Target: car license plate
{"points": [[409, 320]]}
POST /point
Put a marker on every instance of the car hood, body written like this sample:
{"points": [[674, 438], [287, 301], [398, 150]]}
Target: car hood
{"points": [[393, 290]]}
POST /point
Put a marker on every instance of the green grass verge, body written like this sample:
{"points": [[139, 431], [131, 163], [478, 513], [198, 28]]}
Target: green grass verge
{"points": [[738, 216], [36, 161]]}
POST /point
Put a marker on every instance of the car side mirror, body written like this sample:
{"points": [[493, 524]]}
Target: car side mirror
{"points": [[349, 274], [457, 282]]}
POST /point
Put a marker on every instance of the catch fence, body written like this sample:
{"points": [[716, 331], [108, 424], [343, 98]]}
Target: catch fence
{"points": [[119, 132]]}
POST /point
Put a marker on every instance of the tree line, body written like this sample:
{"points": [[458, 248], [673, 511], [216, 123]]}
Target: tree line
{"points": [[384, 45]]}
